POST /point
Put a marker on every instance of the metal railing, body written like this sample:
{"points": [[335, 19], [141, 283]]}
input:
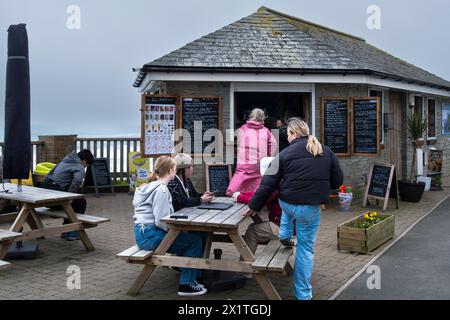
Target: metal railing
{"points": [[35, 145], [114, 149]]}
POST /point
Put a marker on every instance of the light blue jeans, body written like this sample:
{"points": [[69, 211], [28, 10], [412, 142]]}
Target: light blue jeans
{"points": [[187, 244], [307, 219]]}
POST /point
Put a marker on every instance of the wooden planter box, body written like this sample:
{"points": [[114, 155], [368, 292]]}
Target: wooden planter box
{"points": [[365, 240]]}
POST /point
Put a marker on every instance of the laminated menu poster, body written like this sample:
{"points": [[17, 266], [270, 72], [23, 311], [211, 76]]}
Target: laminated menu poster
{"points": [[158, 125]]}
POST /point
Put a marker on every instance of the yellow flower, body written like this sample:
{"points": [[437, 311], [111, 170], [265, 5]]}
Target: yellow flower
{"points": [[375, 214], [366, 216]]}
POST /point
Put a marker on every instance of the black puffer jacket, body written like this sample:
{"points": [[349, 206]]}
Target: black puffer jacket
{"points": [[301, 179], [180, 199]]}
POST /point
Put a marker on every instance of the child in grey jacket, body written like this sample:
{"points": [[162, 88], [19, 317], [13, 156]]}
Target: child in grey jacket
{"points": [[153, 202]]}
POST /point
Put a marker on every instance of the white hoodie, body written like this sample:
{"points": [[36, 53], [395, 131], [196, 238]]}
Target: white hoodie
{"points": [[152, 202]]}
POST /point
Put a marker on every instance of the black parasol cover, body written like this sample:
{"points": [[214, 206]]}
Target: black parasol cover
{"points": [[17, 148]]}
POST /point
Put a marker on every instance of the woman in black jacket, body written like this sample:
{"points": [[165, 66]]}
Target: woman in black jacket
{"points": [[303, 174], [181, 188]]}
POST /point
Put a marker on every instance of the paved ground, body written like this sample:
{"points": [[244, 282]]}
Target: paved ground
{"points": [[416, 267], [104, 277]]}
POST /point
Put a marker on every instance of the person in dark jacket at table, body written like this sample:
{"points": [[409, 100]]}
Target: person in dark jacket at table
{"points": [[67, 176], [183, 191], [181, 188], [303, 174]]}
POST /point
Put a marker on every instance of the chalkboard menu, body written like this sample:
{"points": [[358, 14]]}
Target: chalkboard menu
{"points": [[198, 115], [218, 178], [379, 181], [159, 122], [335, 128], [382, 184], [365, 126], [98, 176]]}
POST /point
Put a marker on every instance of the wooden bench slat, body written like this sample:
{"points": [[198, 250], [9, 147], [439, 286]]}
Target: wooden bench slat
{"points": [[4, 265], [280, 259], [81, 217], [128, 252], [141, 255], [8, 235], [263, 260]]}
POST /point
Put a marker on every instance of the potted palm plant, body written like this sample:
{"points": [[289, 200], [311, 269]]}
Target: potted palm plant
{"points": [[410, 190]]}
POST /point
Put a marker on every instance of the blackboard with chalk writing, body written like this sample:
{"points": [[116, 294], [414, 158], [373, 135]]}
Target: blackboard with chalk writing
{"points": [[198, 115], [382, 184], [365, 126], [98, 175], [218, 178], [379, 181], [335, 125]]}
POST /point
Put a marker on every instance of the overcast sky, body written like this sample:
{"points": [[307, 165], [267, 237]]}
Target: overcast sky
{"points": [[81, 80]]}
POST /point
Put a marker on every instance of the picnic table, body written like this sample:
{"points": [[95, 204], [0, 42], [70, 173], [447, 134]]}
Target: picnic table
{"points": [[221, 226], [29, 200]]}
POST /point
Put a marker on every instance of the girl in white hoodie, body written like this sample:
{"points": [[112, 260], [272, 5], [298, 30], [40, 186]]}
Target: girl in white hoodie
{"points": [[152, 202]]}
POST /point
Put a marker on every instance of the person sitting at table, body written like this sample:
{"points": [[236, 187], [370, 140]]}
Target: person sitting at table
{"points": [[261, 231], [67, 176], [181, 188], [255, 142], [153, 202], [183, 192]]}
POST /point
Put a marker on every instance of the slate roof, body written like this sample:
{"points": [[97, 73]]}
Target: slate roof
{"points": [[270, 41]]}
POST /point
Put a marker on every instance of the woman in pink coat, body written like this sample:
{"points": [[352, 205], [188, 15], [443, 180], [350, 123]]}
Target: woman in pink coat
{"points": [[255, 142]]}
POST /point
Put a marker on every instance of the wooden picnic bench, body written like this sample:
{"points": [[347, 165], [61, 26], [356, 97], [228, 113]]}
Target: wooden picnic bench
{"points": [[221, 226], [29, 200]]}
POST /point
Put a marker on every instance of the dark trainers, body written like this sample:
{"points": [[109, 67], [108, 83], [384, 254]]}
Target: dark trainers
{"points": [[199, 284], [191, 289], [287, 242]]}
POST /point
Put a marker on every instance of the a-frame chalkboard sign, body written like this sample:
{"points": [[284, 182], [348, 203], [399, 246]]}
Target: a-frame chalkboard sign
{"points": [[382, 184], [98, 176]]}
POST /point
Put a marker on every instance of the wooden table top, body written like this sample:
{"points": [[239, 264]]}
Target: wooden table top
{"points": [[35, 195], [229, 218]]}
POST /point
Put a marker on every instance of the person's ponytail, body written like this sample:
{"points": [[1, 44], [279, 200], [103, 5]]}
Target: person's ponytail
{"points": [[153, 177], [163, 165], [314, 146], [300, 128]]}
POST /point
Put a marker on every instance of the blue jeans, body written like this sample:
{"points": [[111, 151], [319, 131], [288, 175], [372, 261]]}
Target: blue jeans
{"points": [[307, 222], [148, 237]]}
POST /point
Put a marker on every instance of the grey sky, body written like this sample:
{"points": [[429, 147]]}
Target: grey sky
{"points": [[81, 80]]}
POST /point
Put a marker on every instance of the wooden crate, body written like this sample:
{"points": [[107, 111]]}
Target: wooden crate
{"points": [[365, 240]]}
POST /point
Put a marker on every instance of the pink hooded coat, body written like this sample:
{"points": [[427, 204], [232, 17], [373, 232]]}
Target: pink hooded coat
{"points": [[254, 143]]}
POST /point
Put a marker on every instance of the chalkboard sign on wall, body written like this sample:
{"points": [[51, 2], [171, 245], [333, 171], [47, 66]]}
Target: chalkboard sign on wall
{"points": [[365, 126], [204, 109], [382, 184], [336, 124], [218, 178], [98, 176]]}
